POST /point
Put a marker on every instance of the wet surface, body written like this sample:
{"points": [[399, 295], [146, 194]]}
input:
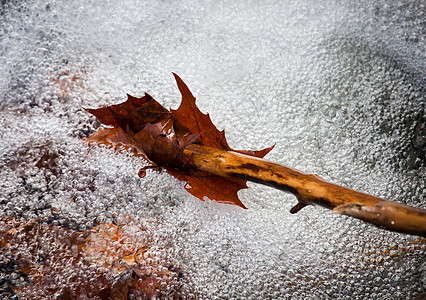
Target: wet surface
{"points": [[340, 90]]}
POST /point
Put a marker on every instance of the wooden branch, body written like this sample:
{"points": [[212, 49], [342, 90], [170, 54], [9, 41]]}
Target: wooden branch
{"points": [[310, 189], [167, 138]]}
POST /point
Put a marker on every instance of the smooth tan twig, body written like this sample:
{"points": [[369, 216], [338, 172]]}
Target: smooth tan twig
{"points": [[310, 189]]}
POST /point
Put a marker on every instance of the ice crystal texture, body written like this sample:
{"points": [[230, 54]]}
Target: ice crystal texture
{"points": [[338, 86]]}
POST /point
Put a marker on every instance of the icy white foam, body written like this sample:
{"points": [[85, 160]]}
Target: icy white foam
{"points": [[339, 88]]}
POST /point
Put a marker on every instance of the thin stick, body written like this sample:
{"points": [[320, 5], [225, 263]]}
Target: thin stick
{"points": [[310, 189]]}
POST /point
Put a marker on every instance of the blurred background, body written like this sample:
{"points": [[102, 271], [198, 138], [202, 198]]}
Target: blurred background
{"points": [[338, 87]]}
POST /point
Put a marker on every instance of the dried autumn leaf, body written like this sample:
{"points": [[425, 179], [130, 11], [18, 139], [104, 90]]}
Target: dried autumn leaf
{"points": [[161, 136]]}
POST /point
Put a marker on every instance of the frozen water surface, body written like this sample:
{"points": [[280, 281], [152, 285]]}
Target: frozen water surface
{"points": [[340, 89]]}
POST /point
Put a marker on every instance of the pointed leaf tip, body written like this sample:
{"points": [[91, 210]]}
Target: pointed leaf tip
{"points": [[184, 89]]}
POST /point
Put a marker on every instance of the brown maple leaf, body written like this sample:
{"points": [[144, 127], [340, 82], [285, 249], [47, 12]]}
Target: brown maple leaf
{"points": [[160, 136]]}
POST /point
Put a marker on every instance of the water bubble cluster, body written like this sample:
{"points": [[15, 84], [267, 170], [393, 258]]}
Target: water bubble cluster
{"points": [[338, 87]]}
